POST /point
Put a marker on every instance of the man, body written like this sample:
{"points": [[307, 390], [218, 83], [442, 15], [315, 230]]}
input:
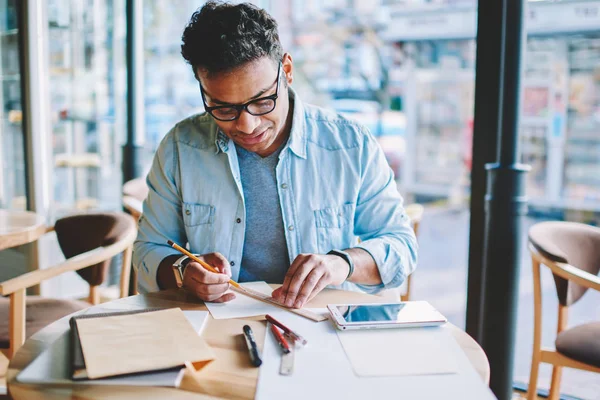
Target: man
{"points": [[264, 187]]}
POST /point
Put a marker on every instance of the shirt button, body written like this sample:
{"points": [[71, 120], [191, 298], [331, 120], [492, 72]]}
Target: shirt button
{"points": [[187, 212], [291, 227], [232, 263], [238, 220], [284, 186]]}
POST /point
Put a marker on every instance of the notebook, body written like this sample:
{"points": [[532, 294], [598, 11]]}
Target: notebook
{"points": [[53, 365], [78, 370]]}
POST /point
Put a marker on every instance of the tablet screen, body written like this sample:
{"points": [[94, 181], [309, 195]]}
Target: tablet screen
{"points": [[412, 312]]}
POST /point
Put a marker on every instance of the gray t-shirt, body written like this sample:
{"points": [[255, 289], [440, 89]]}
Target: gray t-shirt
{"points": [[265, 256]]}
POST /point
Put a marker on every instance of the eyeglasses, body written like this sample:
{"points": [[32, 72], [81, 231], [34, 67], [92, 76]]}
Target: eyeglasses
{"points": [[231, 112]]}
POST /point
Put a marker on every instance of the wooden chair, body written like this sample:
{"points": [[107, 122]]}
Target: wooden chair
{"points": [[135, 192], [89, 242], [415, 212], [572, 252]]}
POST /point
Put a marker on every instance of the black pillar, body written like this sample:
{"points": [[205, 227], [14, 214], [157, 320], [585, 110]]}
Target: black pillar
{"points": [[505, 206], [132, 149], [486, 125]]}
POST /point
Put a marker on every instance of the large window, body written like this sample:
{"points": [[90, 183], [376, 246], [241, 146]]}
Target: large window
{"points": [[87, 88], [171, 91], [12, 158]]}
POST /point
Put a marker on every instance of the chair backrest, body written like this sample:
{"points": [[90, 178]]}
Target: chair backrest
{"points": [[571, 243], [77, 234], [415, 213], [136, 188]]}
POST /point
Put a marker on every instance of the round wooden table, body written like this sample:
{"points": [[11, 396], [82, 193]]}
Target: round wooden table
{"points": [[215, 332], [20, 227]]}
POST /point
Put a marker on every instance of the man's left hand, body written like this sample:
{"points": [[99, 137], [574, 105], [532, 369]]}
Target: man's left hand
{"points": [[308, 275]]}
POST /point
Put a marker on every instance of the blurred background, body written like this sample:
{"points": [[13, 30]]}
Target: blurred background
{"points": [[405, 69]]}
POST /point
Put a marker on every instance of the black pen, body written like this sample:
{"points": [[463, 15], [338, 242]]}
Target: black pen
{"points": [[252, 349]]}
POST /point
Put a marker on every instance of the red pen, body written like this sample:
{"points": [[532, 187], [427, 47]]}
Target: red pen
{"points": [[287, 330], [285, 347]]}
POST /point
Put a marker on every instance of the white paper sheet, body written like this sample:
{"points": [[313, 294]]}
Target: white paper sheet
{"points": [[54, 364], [322, 370], [243, 306], [395, 352]]}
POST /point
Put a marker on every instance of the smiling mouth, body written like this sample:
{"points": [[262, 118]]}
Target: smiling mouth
{"points": [[253, 139]]}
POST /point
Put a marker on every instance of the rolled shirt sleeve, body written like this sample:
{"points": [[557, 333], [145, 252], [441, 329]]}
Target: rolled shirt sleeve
{"points": [[161, 219], [381, 221]]}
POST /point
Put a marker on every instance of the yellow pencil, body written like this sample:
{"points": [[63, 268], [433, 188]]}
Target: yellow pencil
{"points": [[199, 261]]}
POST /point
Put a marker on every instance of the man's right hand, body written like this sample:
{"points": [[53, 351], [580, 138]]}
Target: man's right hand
{"points": [[207, 285]]}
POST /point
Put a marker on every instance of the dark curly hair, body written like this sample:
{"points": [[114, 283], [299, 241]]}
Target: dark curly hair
{"points": [[222, 36]]}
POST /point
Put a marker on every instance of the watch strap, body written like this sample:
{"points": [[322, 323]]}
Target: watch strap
{"points": [[346, 257], [179, 269]]}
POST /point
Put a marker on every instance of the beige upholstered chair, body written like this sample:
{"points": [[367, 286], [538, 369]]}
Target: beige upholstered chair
{"points": [[572, 252], [88, 242], [415, 212], [135, 192]]}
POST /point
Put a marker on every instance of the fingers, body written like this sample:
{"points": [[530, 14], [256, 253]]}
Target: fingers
{"points": [[207, 285], [219, 262], [309, 287], [302, 273], [282, 291], [318, 288], [214, 298], [225, 298], [198, 273], [277, 293]]}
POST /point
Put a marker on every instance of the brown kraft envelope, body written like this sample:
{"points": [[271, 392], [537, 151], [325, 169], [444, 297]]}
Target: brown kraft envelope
{"points": [[231, 375], [144, 342]]}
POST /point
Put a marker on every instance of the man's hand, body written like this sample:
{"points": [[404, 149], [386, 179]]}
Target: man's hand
{"points": [[209, 286], [308, 275]]}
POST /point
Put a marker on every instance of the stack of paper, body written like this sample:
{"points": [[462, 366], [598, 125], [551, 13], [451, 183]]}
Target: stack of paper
{"points": [[144, 342], [244, 306], [369, 365], [54, 364]]}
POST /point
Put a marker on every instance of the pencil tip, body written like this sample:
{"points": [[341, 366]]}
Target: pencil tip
{"points": [[170, 242]]}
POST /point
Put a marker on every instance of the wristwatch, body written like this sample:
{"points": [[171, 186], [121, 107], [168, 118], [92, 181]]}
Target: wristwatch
{"points": [[346, 257], [179, 268]]}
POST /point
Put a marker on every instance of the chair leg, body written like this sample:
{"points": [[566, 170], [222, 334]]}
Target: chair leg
{"points": [[533, 377], [133, 283], [16, 321], [94, 297], [125, 272], [555, 383], [536, 357], [556, 369]]}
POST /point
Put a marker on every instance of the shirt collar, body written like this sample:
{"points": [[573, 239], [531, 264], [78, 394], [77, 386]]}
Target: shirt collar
{"points": [[221, 141], [297, 140]]}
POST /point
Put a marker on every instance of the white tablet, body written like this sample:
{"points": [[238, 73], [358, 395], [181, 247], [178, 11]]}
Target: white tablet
{"points": [[390, 315]]}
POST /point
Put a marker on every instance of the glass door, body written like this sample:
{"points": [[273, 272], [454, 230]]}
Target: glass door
{"points": [[87, 87], [12, 151]]}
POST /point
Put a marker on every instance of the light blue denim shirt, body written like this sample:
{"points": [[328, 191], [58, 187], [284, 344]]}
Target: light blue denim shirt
{"points": [[335, 187]]}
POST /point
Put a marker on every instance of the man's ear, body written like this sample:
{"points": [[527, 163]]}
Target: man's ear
{"points": [[288, 68]]}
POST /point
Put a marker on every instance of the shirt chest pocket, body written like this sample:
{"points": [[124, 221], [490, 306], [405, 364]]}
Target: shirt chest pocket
{"points": [[199, 227], [198, 214], [334, 227]]}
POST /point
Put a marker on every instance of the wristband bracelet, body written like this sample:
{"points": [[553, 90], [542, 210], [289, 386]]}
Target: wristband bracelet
{"points": [[346, 257]]}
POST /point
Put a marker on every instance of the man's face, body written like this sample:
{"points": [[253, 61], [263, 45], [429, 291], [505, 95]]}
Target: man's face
{"points": [[258, 79]]}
